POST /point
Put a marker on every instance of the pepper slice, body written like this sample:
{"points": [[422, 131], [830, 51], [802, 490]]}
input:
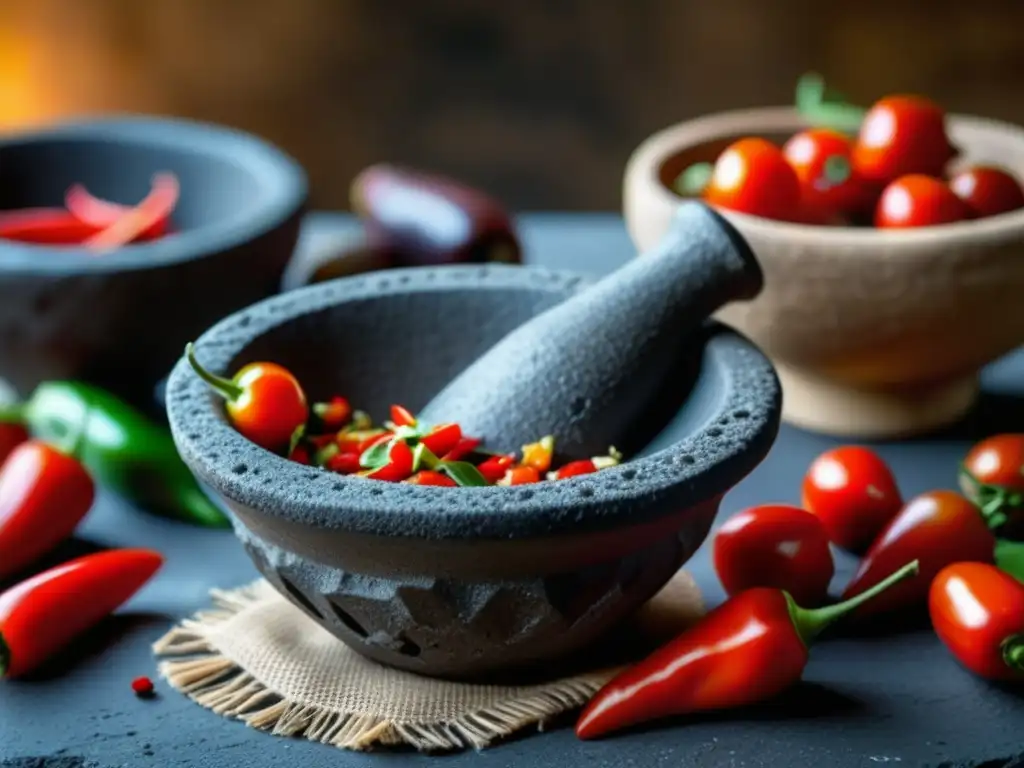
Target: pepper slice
{"points": [[12, 434], [462, 449], [399, 465], [538, 455], [45, 226], [46, 613], [495, 467], [157, 206], [521, 475], [430, 477], [443, 439], [573, 469], [100, 214], [402, 417]]}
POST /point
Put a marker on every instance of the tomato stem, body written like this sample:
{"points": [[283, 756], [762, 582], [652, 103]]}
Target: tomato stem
{"points": [[823, 108], [1013, 651], [224, 387], [810, 623], [5, 656]]}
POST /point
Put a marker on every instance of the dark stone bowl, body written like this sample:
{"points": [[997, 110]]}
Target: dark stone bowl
{"points": [[459, 582], [120, 320]]}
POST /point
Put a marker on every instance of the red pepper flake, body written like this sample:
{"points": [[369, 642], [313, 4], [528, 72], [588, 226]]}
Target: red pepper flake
{"points": [[143, 687]]}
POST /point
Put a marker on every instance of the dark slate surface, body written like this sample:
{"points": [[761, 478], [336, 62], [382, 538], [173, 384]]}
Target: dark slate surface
{"points": [[866, 702]]}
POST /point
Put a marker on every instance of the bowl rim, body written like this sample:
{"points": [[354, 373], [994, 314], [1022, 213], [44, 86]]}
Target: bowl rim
{"points": [[651, 154], [282, 180], [707, 463]]}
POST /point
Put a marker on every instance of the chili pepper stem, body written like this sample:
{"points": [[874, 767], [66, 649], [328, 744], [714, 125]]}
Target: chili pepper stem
{"points": [[811, 622], [1013, 651], [224, 387], [5, 656]]}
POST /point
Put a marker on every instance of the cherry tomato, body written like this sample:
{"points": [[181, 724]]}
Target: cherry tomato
{"points": [[978, 613], [992, 476], [936, 529], [918, 201], [776, 546], [752, 176], [902, 135], [987, 191], [828, 183], [853, 492]]}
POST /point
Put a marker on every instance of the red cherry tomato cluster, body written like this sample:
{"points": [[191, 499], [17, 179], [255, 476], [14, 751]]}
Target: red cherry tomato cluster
{"points": [[971, 582], [890, 171], [267, 404]]}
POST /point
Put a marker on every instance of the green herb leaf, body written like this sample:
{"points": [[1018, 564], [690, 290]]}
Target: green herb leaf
{"points": [[297, 436], [693, 181], [423, 458], [325, 454], [463, 473], [1009, 557], [377, 455], [411, 432]]}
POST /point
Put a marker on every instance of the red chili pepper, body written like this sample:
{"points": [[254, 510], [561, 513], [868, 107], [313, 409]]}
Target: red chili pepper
{"points": [[344, 463], [300, 454], [750, 648], [143, 687], [12, 435], [775, 546], [538, 455], [399, 466], [371, 441], [44, 494], [265, 402], [573, 469], [334, 414], [853, 491], [978, 613], [937, 528], [443, 438], [495, 467], [429, 477], [401, 417], [43, 615], [464, 447], [45, 226], [100, 214], [157, 206], [520, 476]]}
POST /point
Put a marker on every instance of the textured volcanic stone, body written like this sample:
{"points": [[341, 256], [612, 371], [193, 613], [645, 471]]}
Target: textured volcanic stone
{"points": [[588, 369], [464, 581]]}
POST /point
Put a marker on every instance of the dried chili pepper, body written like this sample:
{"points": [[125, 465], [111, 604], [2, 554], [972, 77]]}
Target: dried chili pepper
{"points": [[44, 495], [45, 614], [520, 475], [130, 225], [12, 434], [265, 402], [978, 613], [122, 449], [937, 528], [750, 648]]}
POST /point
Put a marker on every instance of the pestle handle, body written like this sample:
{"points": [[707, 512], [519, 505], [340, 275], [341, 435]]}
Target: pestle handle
{"points": [[586, 369]]}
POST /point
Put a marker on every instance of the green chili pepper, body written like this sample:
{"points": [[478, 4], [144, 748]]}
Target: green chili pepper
{"points": [[122, 448]]}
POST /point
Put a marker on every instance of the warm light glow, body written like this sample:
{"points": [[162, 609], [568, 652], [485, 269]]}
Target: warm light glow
{"points": [[25, 98]]}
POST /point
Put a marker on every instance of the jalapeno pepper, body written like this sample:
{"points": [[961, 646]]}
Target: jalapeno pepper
{"points": [[121, 448]]}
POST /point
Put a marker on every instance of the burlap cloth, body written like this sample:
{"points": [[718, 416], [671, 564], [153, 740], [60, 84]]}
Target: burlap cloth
{"points": [[257, 658]]}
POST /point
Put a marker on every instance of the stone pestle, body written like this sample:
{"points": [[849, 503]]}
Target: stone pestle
{"points": [[586, 369]]}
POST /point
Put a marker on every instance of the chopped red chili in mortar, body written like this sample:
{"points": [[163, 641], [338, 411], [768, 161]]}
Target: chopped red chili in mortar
{"points": [[88, 221]]}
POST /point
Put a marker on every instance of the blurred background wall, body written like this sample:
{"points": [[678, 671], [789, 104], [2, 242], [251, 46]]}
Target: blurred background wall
{"points": [[539, 101]]}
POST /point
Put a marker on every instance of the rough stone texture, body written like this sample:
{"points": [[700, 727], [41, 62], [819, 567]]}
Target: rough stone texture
{"points": [[400, 336], [121, 320], [899, 701], [590, 369]]}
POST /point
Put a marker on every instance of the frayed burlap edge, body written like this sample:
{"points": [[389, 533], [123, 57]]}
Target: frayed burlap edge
{"points": [[217, 683]]}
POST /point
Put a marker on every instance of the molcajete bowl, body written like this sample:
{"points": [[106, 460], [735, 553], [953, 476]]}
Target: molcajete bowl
{"points": [[460, 582], [119, 319], [875, 333]]}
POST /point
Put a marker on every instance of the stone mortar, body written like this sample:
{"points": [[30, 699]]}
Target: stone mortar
{"points": [[461, 582]]}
